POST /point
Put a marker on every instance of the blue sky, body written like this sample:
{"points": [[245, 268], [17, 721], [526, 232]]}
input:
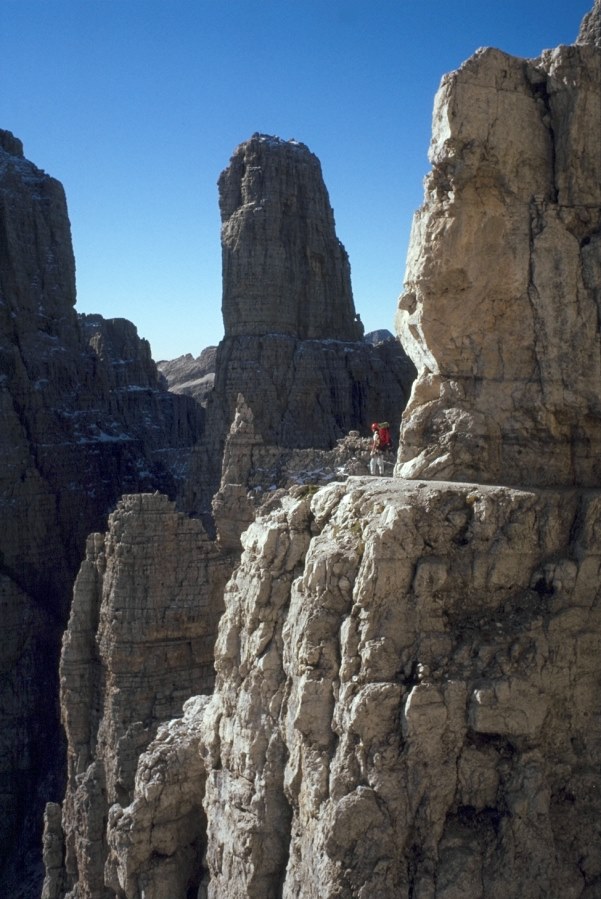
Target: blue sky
{"points": [[137, 105]]}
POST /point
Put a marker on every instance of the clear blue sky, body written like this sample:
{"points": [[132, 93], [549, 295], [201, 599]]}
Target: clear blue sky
{"points": [[137, 105]]}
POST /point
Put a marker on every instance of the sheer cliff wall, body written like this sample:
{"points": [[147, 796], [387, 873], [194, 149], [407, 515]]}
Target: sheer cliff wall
{"points": [[503, 281]]}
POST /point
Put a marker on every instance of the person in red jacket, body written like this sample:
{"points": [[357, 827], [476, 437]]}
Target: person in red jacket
{"points": [[376, 462]]}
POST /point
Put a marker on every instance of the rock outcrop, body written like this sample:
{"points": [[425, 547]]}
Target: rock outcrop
{"points": [[284, 269], [501, 306], [398, 711], [253, 471], [408, 671], [139, 643], [84, 417], [590, 30], [301, 394]]}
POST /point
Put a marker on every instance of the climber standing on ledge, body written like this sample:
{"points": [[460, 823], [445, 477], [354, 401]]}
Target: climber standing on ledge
{"points": [[376, 462]]}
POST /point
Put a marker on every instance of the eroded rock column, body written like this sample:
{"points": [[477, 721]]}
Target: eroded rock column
{"points": [[139, 643]]}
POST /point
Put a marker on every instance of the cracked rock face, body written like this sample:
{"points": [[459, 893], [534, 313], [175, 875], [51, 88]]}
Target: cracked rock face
{"points": [[139, 642], [590, 30], [406, 704], [501, 305], [407, 670], [293, 346]]}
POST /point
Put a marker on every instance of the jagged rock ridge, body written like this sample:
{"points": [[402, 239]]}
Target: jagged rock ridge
{"points": [[590, 30], [192, 376]]}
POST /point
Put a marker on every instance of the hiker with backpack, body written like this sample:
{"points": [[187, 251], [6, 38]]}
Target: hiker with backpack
{"points": [[381, 443]]}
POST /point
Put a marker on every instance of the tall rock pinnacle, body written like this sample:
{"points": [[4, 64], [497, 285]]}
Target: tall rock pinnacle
{"points": [[284, 270]]}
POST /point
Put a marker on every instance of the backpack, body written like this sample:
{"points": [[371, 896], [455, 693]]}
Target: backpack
{"points": [[384, 435]]}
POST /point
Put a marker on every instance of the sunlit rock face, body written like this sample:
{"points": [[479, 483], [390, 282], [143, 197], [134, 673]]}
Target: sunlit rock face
{"points": [[501, 305], [284, 269], [590, 30]]}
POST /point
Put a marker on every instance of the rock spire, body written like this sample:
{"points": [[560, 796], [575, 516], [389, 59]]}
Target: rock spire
{"points": [[284, 270]]}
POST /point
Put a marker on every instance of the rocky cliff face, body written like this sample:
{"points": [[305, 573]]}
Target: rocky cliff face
{"points": [[509, 376], [408, 670], [140, 642], [83, 417], [191, 376]]}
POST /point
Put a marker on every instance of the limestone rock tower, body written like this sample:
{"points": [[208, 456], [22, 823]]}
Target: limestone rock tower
{"points": [[284, 269]]}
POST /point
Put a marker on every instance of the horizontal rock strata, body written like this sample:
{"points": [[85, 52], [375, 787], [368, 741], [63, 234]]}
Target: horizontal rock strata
{"points": [[284, 270]]}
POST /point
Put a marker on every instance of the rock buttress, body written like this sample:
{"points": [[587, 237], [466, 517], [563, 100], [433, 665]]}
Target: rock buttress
{"points": [[501, 305]]}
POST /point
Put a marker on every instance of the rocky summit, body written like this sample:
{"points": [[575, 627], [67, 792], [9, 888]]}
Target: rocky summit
{"points": [[284, 270]]}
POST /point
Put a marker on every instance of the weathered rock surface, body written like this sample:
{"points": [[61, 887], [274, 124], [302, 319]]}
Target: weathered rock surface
{"points": [[284, 269], [139, 642], [408, 671], [303, 394], [83, 417], [406, 704], [501, 306], [157, 845], [590, 30], [399, 712], [254, 471], [191, 376]]}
